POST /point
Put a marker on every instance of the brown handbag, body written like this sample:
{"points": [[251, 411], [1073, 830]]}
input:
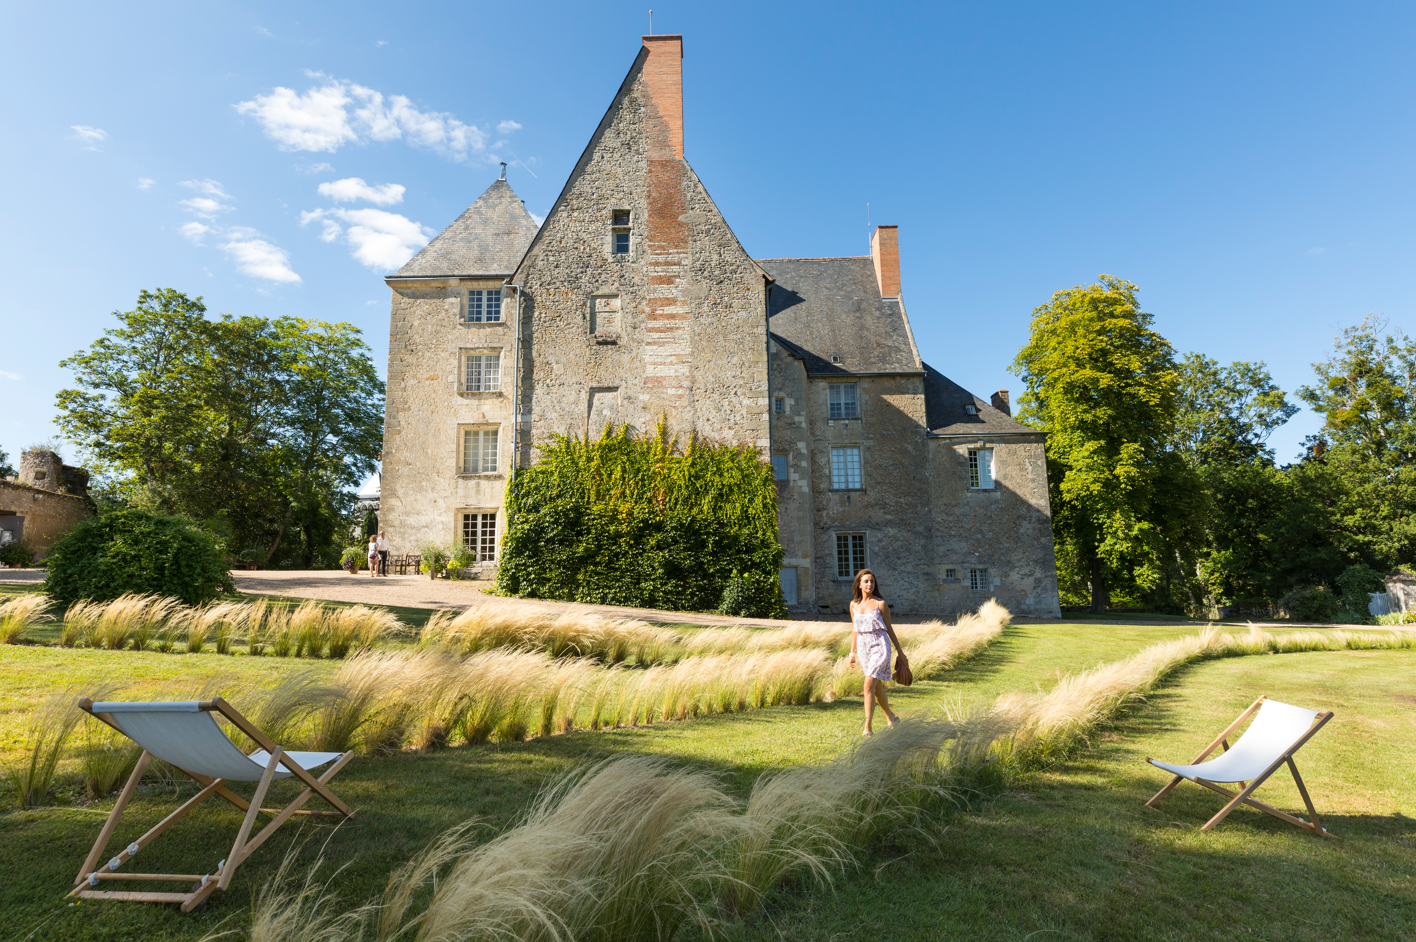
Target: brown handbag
{"points": [[903, 677]]}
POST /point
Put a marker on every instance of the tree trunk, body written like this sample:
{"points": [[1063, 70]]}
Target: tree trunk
{"points": [[1100, 599], [280, 532]]}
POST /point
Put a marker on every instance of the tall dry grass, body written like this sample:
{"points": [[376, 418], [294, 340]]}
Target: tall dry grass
{"points": [[505, 624], [21, 613]]}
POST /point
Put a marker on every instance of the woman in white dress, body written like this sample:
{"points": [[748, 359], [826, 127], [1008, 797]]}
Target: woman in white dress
{"points": [[870, 644]]}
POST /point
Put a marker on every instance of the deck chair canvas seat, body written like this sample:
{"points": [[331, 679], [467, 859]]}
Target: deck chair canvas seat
{"points": [[1279, 730], [185, 734]]}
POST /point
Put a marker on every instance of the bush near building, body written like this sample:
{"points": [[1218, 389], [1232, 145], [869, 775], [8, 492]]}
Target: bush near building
{"points": [[640, 521], [139, 552]]}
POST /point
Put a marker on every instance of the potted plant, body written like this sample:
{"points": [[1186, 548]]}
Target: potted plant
{"points": [[434, 560], [16, 554], [350, 559]]}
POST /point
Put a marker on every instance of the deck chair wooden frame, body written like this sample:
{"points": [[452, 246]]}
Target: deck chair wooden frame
{"points": [[91, 876], [1315, 824]]}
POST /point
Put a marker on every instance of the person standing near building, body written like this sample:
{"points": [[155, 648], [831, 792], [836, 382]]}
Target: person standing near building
{"points": [[373, 556], [383, 552], [870, 644]]}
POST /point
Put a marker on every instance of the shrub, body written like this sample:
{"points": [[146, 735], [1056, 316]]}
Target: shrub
{"points": [[1309, 603], [434, 559], [642, 522], [1355, 583], [737, 598], [16, 553], [134, 551]]}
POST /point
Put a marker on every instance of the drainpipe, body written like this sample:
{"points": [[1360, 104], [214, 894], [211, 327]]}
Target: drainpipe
{"points": [[515, 398]]}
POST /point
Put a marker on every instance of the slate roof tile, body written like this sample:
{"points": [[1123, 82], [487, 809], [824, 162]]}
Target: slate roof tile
{"points": [[488, 239]]}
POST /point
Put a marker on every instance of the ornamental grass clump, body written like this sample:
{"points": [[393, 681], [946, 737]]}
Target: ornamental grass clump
{"points": [[501, 624], [30, 774], [307, 625], [21, 613], [648, 521]]}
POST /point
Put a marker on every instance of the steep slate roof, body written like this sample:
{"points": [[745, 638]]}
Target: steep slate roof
{"points": [[944, 413], [824, 307], [488, 239]]}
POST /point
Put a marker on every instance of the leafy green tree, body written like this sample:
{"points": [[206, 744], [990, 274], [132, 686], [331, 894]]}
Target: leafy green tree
{"points": [[1227, 413], [256, 427], [1367, 396], [5, 469], [1103, 384]]}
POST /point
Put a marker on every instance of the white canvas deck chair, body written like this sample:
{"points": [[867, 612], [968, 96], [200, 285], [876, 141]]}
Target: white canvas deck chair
{"points": [[1276, 734], [186, 735]]}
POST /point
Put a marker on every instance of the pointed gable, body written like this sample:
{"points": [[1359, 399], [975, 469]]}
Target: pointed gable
{"points": [[487, 240]]}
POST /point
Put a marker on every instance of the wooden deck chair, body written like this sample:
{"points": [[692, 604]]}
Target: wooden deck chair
{"points": [[186, 735], [1276, 734]]}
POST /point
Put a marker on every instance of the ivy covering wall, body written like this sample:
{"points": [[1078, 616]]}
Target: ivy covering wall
{"points": [[647, 522]]}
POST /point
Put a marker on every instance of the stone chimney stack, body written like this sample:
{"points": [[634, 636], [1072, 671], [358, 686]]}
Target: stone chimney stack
{"points": [[663, 75], [885, 253], [1001, 403], [41, 469]]}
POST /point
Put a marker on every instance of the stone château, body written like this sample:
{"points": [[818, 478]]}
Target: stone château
{"points": [[634, 299]]}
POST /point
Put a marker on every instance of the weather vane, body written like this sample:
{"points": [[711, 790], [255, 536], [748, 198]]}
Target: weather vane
{"points": [[651, 22]]}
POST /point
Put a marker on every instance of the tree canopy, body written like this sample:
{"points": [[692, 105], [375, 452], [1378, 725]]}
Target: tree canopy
{"points": [[256, 427]]}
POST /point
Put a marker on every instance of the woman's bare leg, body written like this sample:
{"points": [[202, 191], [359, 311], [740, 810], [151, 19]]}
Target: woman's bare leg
{"points": [[870, 683], [884, 699]]}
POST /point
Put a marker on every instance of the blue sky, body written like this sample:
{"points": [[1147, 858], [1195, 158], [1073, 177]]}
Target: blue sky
{"points": [[1249, 166]]}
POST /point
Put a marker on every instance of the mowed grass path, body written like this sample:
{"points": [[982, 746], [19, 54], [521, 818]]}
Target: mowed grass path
{"points": [[1070, 854]]}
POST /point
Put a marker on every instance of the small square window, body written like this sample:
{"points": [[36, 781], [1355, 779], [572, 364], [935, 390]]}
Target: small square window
{"points": [[621, 217], [978, 580], [621, 243], [845, 469], [971, 409], [779, 467], [981, 468], [951, 574], [850, 554], [779, 405], [841, 397], [484, 306], [619, 230]]}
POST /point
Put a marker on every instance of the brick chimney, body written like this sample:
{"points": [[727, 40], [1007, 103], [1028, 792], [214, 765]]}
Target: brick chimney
{"points": [[663, 76], [885, 253], [1000, 402]]}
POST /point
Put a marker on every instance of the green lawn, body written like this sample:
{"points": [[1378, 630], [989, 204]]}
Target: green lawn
{"points": [[1070, 853]]}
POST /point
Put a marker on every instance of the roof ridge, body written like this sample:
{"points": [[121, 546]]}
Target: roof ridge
{"points": [[824, 258]]}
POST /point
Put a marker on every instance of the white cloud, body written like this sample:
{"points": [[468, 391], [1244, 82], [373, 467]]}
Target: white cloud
{"points": [[195, 231], [209, 187], [377, 239], [353, 188], [536, 219], [13, 376], [317, 168], [89, 137], [506, 127], [380, 42], [204, 207], [339, 112], [257, 257], [145, 184]]}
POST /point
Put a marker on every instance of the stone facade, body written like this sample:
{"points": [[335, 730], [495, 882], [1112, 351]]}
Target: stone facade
{"points": [[635, 301], [39, 515]]}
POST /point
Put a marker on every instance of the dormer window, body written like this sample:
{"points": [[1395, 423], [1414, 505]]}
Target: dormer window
{"points": [[620, 229], [483, 306], [971, 409]]}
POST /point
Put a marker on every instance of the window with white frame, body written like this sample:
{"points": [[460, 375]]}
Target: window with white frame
{"points": [[949, 574], [841, 397], [619, 228], [850, 554], [479, 534], [779, 404], [978, 580], [981, 468], [779, 467], [845, 468], [484, 306], [481, 372], [479, 450]]}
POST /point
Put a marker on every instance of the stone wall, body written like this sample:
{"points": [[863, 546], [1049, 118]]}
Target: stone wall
{"points": [[678, 326], [891, 508], [38, 515], [1006, 529], [791, 439], [424, 490]]}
